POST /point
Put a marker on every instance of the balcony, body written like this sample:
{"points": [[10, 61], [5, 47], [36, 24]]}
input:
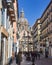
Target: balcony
{"points": [[44, 26], [13, 0], [9, 1], [13, 20], [45, 18], [10, 7], [3, 31], [41, 37], [50, 21], [50, 32], [44, 35], [35, 34]]}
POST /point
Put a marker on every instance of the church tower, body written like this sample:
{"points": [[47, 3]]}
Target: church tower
{"points": [[22, 13]]}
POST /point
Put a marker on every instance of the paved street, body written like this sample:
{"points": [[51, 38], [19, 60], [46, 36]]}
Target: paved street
{"points": [[42, 61]]}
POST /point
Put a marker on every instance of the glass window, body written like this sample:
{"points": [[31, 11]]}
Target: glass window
{"points": [[3, 16], [7, 23]]}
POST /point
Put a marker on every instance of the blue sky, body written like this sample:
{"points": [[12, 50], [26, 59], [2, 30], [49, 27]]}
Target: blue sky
{"points": [[33, 9]]}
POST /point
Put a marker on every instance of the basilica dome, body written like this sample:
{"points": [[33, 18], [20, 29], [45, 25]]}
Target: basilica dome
{"points": [[22, 19]]}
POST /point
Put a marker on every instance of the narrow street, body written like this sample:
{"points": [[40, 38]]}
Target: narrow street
{"points": [[42, 61], [26, 32], [24, 62]]}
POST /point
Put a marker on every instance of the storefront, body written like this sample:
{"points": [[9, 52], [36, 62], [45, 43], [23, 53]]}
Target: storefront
{"points": [[3, 45], [4, 49]]}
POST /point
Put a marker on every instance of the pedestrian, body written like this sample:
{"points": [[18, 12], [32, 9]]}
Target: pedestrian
{"points": [[11, 59], [46, 53], [38, 54], [33, 57], [18, 58]]}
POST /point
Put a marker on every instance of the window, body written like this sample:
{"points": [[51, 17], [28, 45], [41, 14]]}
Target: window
{"points": [[22, 27], [3, 10]]}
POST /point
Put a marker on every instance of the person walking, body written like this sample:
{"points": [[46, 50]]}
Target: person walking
{"points": [[33, 57], [46, 52], [11, 59], [38, 54], [18, 58]]}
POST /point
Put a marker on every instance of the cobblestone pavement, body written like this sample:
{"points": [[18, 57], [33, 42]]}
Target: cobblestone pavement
{"points": [[42, 61]]}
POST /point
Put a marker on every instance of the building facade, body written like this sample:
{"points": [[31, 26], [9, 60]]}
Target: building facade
{"points": [[7, 17], [24, 34], [42, 31], [15, 23], [46, 29], [36, 35]]}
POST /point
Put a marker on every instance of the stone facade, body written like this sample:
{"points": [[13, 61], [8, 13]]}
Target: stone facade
{"points": [[46, 28], [36, 34], [24, 33], [7, 17]]}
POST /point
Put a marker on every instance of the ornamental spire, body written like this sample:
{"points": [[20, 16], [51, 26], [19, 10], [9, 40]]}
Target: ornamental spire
{"points": [[22, 13]]}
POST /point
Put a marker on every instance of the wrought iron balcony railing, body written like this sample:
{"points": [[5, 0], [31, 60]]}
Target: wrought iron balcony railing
{"points": [[8, 1], [11, 6], [50, 21], [50, 32]]}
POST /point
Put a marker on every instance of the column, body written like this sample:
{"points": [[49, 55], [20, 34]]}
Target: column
{"points": [[4, 51], [8, 47]]}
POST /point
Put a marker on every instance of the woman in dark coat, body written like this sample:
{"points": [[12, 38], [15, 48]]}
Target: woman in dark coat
{"points": [[33, 57], [18, 58]]}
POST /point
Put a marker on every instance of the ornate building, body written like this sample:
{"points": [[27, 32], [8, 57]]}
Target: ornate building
{"points": [[25, 38]]}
